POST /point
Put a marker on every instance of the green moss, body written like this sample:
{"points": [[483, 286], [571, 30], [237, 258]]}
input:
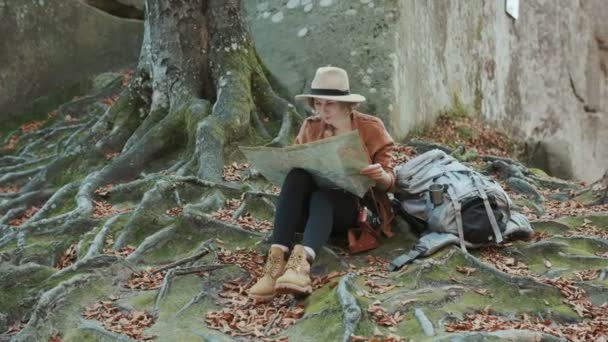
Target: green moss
{"points": [[587, 197], [321, 299], [538, 172], [458, 109], [326, 326], [144, 300], [479, 28]]}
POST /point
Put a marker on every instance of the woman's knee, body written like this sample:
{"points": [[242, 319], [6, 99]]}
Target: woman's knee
{"points": [[299, 177]]}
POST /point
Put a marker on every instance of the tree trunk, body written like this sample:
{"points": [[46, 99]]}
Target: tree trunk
{"points": [[198, 87]]}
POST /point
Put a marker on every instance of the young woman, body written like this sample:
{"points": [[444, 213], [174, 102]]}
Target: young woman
{"points": [[319, 212]]}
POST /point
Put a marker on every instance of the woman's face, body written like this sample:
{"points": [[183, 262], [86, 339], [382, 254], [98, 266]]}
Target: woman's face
{"points": [[331, 111]]}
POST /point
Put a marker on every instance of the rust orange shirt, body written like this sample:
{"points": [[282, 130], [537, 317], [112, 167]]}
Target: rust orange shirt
{"points": [[377, 142]]}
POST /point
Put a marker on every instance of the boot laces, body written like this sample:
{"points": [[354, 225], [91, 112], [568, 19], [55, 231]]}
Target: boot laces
{"points": [[295, 261], [271, 267]]}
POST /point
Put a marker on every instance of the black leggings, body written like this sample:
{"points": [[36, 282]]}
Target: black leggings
{"points": [[319, 213]]}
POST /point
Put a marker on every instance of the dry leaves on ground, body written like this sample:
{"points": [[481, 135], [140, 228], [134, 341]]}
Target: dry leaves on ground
{"points": [[466, 270], [587, 275], [9, 189], [246, 221], [383, 317], [104, 191], [538, 235], [147, 279], [111, 155], [131, 323], [593, 330], [589, 230], [14, 328], [177, 211], [32, 126], [110, 101], [389, 338], [319, 282], [12, 143], [603, 255], [56, 337], [230, 173], [451, 131], [555, 209], [505, 264], [27, 214], [104, 208], [127, 75], [240, 316], [595, 326], [67, 258], [123, 251]]}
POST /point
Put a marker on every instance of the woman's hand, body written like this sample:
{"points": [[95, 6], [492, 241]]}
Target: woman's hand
{"points": [[377, 174]]}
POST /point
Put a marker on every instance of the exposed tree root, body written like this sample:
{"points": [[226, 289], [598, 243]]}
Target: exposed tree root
{"points": [[146, 215], [203, 250], [99, 240], [153, 241], [351, 313], [98, 329], [55, 201], [92, 263], [425, 323], [48, 303], [194, 300]]}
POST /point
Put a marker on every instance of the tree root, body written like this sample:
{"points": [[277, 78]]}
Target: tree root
{"points": [[201, 219], [193, 301], [92, 263], [351, 313], [24, 165], [203, 250], [508, 335], [48, 303], [46, 135], [26, 199], [425, 323], [59, 196], [13, 177], [520, 281], [99, 240], [11, 214], [153, 241], [145, 216], [97, 328], [11, 160], [164, 289]]}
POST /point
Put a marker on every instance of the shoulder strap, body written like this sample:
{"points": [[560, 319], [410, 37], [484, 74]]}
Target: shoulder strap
{"points": [[489, 211]]}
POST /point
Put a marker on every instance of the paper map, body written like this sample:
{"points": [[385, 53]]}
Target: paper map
{"points": [[334, 162]]}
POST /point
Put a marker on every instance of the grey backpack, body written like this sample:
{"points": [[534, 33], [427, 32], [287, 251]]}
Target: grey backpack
{"points": [[464, 202]]}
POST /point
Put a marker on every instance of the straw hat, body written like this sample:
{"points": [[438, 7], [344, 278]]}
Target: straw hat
{"points": [[331, 83]]}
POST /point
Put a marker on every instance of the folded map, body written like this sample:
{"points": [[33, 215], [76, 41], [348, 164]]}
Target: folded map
{"points": [[334, 162]]}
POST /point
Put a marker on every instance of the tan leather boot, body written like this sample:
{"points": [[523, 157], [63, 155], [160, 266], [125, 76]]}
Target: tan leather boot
{"points": [[263, 290], [296, 279]]}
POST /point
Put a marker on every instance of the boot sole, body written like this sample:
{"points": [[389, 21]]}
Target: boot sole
{"points": [[293, 289]]}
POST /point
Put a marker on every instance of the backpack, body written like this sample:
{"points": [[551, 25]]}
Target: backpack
{"points": [[469, 205]]}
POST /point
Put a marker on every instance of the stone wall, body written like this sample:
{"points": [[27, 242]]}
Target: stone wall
{"points": [[541, 78], [50, 49]]}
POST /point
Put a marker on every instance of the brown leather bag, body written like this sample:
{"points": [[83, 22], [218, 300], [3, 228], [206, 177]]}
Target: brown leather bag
{"points": [[363, 237]]}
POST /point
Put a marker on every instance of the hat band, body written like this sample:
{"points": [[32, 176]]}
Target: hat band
{"points": [[328, 92]]}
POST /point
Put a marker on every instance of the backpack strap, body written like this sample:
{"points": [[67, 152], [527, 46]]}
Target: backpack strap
{"points": [[458, 214], [489, 211]]}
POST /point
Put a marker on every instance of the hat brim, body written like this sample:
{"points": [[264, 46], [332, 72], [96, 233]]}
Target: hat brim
{"points": [[355, 98]]}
